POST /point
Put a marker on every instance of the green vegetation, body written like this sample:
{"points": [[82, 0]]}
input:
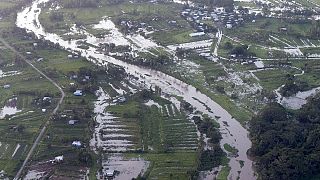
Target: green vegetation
{"points": [[277, 134], [170, 165], [230, 149], [223, 174], [311, 69], [274, 78]]}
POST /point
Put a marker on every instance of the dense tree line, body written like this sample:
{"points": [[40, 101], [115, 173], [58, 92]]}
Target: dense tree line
{"points": [[286, 145]]}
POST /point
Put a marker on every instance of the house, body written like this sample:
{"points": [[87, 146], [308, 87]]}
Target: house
{"points": [[44, 110], [172, 23], [233, 55], [110, 173], [74, 76], [72, 122], [283, 29], [76, 143], [206, 18], [121, 99], [46, 98], [7, 86], [229, 26], [78, 93]]}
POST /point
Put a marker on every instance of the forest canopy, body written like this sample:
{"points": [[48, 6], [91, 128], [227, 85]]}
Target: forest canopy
{"points": [[286, 145]]}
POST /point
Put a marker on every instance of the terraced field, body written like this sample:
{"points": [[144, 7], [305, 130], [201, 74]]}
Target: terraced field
{"points": [[164, 128]]}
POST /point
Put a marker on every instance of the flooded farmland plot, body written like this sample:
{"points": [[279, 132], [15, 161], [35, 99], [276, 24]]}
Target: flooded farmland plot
{"points": [[125, 168], [158, 127], [113, 133], [55, 170], [10, 108]]}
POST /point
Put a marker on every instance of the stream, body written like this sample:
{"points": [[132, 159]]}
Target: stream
{"points": [[232, 133]]}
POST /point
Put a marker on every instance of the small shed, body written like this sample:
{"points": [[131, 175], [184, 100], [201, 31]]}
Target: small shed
{"points": [[110, 173], [229, 26]]}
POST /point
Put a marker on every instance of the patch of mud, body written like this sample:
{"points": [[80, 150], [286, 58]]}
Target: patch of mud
{"points": [[10, 108], [127, 168]]}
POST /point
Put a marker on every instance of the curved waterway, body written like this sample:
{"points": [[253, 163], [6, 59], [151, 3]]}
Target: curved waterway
{"points": [[232, 132]]}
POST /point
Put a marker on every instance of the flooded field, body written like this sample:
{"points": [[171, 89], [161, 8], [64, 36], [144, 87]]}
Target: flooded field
{"points": [[126, 168], [10, 108], [298, 100], [233, 134]]}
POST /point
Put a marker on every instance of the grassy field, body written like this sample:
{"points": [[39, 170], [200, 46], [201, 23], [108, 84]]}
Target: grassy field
{"points": [[5, 4], [266, 32], [223, 174], [170, 165], [311, 75]]}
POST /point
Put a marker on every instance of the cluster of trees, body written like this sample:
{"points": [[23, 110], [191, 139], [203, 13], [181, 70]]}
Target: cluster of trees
{"points": [[88, 79], [209, 158], [286, 145], [292, 86], [239, 51]]}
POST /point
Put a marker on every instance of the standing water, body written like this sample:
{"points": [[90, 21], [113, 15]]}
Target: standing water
{"points": [[10, 108], [233, 134]]}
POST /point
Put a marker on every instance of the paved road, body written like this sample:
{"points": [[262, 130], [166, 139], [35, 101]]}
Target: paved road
{"points": [[43, 130]]}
